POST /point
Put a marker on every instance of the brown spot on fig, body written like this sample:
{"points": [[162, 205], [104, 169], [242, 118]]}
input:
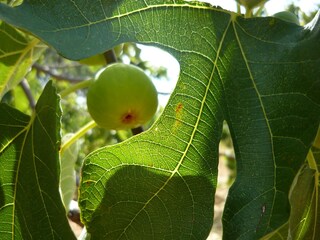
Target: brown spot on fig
{"points": [[128, 117]]}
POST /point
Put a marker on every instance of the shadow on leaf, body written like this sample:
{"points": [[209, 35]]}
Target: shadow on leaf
{"points": [[144, 203]]}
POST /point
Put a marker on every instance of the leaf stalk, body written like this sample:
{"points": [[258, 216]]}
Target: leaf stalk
{"points": [[81, 132]]}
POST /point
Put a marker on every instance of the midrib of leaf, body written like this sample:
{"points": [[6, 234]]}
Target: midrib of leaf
{"points": [[152, 7], [27, 130], [263, 110], [192, 136], [38, 185]]}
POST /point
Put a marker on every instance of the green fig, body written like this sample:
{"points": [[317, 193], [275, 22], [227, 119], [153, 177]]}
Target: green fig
{"points": [[287, 16], [121, 97]]}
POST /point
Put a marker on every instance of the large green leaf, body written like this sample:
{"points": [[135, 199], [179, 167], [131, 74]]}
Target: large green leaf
{"points": [[17, 54], [261, 75], [30, 202]]}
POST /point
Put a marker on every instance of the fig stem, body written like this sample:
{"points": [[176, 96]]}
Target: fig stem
{"points": [[81, 132], [248, 13], [238, 8], [75, 87], [110, 56], [137, 130]]}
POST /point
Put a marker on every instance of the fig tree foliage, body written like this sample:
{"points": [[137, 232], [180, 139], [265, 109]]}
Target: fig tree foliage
{"points": [[260, 75]]}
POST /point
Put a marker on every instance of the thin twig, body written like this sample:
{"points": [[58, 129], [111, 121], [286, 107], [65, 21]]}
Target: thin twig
{"points": [[75, 87], [26, 88], [57, 76]]}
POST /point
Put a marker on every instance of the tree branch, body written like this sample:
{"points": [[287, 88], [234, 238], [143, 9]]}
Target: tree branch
{"points": [[26, 88], [48, 71]]}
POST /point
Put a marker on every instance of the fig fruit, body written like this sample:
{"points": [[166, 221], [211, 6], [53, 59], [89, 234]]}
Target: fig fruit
{"points": [[122, 96], [288, 17]]}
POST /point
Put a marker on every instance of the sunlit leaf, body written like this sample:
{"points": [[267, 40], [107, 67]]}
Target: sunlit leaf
{"points": [[17, 53], [30, 203], [261, 75]]}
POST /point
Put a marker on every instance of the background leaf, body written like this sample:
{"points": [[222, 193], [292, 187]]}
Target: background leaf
{"points": [[68, 177], [273, 118], [304, 222], [305, 215], [17, 54], [30, 203], [260, 74]]}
